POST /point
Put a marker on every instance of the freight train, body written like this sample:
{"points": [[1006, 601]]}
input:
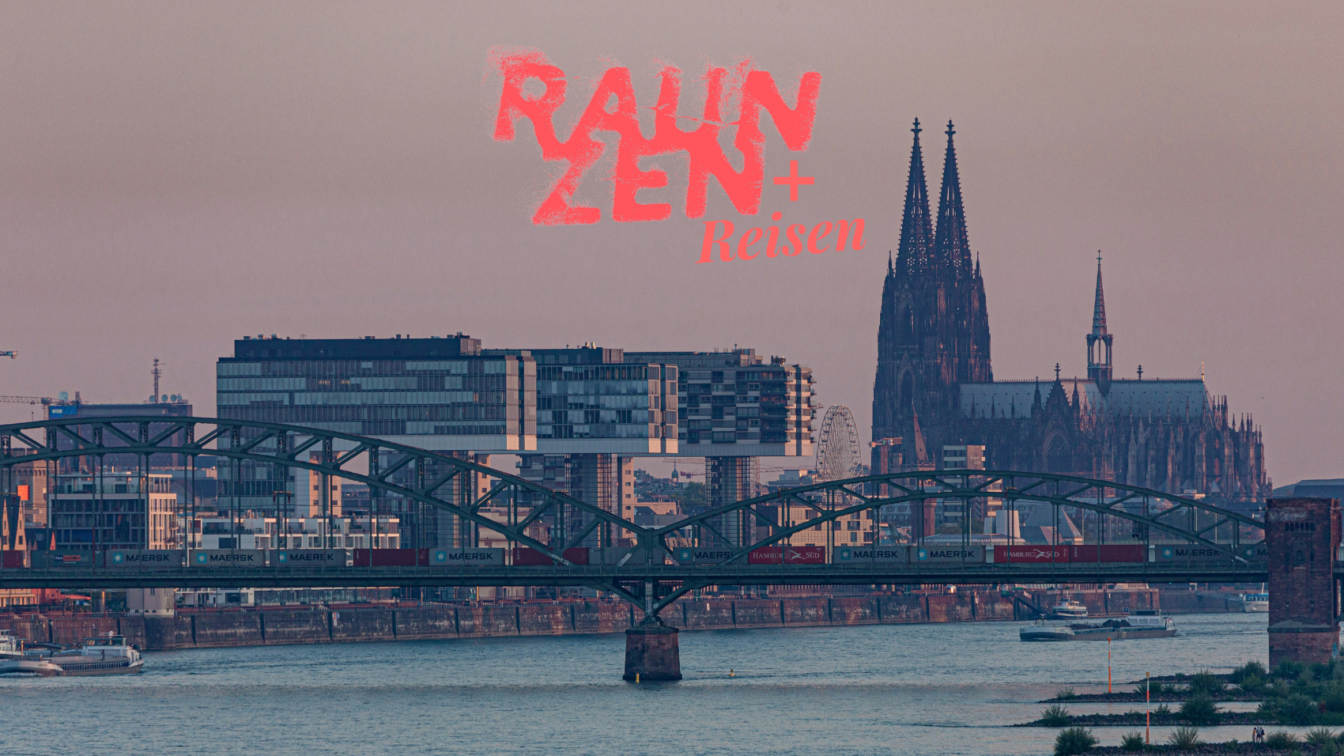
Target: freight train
{"points": [[113, 560]]}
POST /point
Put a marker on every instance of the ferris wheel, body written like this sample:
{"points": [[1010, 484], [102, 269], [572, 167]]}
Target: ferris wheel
{"points": [[838, 449]]}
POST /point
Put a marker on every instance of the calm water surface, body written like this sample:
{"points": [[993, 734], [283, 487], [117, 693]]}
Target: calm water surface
{"points": [[899, 689]]}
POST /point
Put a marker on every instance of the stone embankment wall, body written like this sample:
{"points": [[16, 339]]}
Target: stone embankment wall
{"points": [[289, 625]]}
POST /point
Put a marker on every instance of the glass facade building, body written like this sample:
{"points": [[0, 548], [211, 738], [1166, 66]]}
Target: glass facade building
{"points": [[591, 400], [113, 511], [435, 393], [733, 404]]}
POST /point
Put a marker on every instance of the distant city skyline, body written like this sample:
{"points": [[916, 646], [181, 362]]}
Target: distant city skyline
{"points": [[173, 178]]}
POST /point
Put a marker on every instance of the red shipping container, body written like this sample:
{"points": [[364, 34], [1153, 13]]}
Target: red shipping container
{"points": [[10, 560], [1028, 553], [391, 557], [525, 557], [1107, 553], [791, 555]]}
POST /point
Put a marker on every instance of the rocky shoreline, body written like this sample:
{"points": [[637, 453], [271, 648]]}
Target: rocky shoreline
{"points": [[1137, 719], [1169, 697]]}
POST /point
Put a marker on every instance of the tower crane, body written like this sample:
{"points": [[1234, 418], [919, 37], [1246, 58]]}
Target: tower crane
{"points": [[42, 400]]}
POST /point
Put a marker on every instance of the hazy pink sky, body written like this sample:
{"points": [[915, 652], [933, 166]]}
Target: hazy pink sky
{"points": [[176, 175]]}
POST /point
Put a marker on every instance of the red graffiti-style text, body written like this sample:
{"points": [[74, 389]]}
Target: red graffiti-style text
{"points": [[707, 158]]}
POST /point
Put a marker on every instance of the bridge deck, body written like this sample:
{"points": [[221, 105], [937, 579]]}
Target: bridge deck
{"points": [[894, 574]]}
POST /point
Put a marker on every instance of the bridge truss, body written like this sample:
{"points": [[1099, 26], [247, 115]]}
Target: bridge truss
{"points": [[648, 573]]}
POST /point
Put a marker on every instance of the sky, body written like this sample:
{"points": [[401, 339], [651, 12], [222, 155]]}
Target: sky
{"points": [[176, 175]]}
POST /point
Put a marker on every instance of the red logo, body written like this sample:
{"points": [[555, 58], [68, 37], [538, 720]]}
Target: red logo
{"points": [[742, 91]]}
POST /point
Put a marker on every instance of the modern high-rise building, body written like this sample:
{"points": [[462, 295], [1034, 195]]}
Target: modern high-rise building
{"points": [[734, 409], [433, 393], [576, 417]]}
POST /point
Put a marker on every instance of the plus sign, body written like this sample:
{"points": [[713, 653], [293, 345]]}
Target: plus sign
{"points": [[793, 180]]}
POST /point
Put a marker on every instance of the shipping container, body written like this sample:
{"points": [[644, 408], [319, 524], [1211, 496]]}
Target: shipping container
{"points": [[13, 560], [787, 555], [309, 558], [938, 553], [59, 559], [1258, 552], [703, 554], [391, 557], [621, 556], [525, 557], [467, 557], [210, 559], [1127, 552], [1021, 552], [848, 554], [117, 559], [1191, 552]]}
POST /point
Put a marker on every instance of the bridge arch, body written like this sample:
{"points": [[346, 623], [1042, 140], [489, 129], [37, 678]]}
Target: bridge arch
{"points": [[1184, 518]]}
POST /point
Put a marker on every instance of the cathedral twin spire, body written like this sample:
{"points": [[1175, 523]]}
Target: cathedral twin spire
{"points": [[921, 247], [915, 251]]}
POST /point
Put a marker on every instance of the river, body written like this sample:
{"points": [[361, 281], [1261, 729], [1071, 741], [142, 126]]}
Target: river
{"points": [[899, 689]]}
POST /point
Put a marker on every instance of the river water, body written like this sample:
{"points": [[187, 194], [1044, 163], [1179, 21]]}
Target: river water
{"points": [[899, 689]]}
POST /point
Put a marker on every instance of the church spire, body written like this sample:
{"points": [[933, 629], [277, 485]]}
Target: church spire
{"points": [[916, 235], [951, 247], [1099, 307], [1099, 341]]}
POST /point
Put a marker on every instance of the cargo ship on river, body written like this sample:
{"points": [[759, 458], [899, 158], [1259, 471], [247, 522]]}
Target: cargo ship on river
{"points": [[1145, 623], [110, 655]]}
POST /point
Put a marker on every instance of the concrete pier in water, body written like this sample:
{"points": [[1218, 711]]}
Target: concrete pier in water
{"points": [[653, 653]]}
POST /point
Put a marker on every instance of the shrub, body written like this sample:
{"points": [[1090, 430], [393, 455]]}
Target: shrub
{"points": [[1252, 684], [1207, 683], [1162, 710], [1320, 736], [1199, 710], [1279, 740], [1333, 697], [1288, 670], [1249, 669], [1074, 740], [1132, 742], [1065, 694], [1298, 710], [1055, 716], [1322, 672], [1268, 709], [1184, 738]]}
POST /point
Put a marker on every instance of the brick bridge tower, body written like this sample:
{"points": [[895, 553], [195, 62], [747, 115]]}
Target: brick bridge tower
{"points": [[1303, 537]]}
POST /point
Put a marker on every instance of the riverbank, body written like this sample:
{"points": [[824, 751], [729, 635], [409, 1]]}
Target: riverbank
{"points": [[283, 625]]}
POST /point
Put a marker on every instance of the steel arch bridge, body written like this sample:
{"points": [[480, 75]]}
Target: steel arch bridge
{"points": [[648, 573]]}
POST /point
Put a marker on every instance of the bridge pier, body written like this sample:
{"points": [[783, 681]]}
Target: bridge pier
{"points": [[1303, 537], [652, 651]]}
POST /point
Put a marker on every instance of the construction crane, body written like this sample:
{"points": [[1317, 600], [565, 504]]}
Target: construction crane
{"points": [[42, 400]]}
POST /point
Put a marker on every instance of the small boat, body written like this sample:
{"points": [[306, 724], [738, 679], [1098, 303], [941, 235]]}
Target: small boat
{"points": [[1253, 602], [1068, 610], [1145, 623], [110, 655], [10, 647], [15, 661], [29, 665]]}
